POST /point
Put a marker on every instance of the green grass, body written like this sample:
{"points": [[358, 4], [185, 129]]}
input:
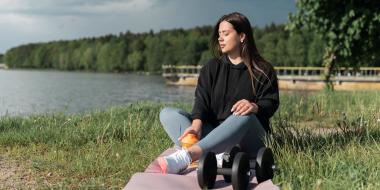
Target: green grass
{"points": [[102, 150]]}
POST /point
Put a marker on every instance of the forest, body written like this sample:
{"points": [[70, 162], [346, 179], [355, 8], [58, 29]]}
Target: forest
{"points": [[148, 51]]}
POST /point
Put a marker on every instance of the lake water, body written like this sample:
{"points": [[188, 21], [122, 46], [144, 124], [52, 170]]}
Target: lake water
{"points": [[23, 92]]}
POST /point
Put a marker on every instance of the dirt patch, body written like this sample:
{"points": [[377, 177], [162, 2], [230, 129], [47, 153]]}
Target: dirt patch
{"points": [[15, 175]]}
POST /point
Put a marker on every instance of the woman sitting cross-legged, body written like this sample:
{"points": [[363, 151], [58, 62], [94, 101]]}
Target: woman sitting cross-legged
{"points": [[236, 94]]}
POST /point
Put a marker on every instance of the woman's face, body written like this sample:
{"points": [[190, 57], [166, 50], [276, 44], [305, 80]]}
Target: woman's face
{"points": [[229, 39]]}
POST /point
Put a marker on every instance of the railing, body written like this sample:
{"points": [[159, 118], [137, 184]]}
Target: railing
{"points": [[181, 70], [316, 71], [191, 70]]}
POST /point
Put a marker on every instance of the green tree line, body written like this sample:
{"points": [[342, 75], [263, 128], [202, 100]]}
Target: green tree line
{"points": [[1, 58], [149, 51]]}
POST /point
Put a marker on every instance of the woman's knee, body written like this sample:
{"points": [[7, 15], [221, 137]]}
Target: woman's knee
{"points": [[250, 119], [170, 113], [166, 112], [254, 123]]}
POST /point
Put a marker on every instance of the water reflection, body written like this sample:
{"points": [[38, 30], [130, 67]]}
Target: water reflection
{"points": [[24, 92]]}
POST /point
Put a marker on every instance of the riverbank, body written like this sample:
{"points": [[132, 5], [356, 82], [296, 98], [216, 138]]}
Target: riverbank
{"points": [[102, 149]]}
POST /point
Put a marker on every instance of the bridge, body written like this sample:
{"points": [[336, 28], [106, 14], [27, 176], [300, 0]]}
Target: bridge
{"points": [[292, 78]]}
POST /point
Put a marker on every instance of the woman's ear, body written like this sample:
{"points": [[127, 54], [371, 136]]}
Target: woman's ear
{"points": [[242, 37]]}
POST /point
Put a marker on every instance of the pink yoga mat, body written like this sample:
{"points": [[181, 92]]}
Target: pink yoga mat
{"points": [[151, 178]]}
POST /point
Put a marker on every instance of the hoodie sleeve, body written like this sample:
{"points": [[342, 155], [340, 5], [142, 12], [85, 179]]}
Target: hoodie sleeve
{"points": [[268, 96], [202, 93]]}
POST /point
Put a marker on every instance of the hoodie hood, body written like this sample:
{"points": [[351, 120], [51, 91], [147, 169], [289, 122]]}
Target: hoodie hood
{"points": [[225, 59]]}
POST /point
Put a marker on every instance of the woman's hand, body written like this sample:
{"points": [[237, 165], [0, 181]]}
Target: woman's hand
{"points": [[195, 128], [244, 107]]}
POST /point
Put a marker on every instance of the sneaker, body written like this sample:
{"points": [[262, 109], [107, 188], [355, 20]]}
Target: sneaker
{"points": [[175, 162], [219, 159]]}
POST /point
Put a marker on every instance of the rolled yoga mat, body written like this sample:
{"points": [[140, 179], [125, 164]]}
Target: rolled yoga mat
{"points": [[151, 178]]}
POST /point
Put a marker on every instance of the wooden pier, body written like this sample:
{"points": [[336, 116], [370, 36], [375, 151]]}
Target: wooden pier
{"points": [[292, 78], [3, 66]]}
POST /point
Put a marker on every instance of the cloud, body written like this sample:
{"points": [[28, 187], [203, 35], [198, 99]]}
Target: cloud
{"points": [[12, 5], [24, 23], [14, 19], [45, 20], [55, 16], [119, 6], [75, 7]]}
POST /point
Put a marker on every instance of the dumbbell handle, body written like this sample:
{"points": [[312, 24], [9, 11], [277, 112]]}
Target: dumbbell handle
{"points": [[228, 171], [252, 164], [224, 171]]}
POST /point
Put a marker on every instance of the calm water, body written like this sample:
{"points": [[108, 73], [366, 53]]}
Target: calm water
{"points": [[23, 92]]}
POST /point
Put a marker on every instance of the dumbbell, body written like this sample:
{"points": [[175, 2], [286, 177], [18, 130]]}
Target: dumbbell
{"points": [[264, 164], [235, 168], [227, 161]]}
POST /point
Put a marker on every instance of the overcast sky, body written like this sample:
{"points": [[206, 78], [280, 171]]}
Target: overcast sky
{"points": [[26, 21]]}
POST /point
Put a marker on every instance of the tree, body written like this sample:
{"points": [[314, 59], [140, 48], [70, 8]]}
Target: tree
{"points": [[296, 47], [269, 47], [315, 51], [87, 60], [350, 30], [282, 53], [103, 58], [135, 61], [38, 57], [1, 58], [118, 55], [205, 56], [154, 52]]}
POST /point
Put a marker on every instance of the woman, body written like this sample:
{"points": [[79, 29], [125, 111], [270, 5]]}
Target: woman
{"points": [[236, 94]]}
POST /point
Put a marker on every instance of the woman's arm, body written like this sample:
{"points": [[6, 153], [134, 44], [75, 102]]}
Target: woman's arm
{"points": [[267, 100], [195, 128], [268, 97], [202, 99], [201, 102], [244, 107]]}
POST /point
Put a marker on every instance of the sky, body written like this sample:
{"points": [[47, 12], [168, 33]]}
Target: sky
{"points": [[31, 21]]}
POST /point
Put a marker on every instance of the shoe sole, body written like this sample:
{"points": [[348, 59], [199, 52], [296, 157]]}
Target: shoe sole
{"points": [[162, 163]]}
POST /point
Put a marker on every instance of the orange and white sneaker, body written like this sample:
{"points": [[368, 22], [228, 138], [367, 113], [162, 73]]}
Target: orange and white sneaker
{"points": [[175, 162], [219, 159]]}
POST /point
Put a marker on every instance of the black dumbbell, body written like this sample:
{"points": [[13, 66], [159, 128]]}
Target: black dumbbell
{"points": [[207, 171], [236, 168], [208, 162], [264, 165], [228, 158]]}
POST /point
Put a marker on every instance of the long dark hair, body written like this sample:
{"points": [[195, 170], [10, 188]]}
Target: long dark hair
{"points": [[251, 57]]}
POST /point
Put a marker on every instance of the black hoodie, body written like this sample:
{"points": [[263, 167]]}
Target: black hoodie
{"points": [[221, 84]]}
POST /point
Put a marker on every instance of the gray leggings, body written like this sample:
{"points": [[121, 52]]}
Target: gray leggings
{"points": [[246, 131]]}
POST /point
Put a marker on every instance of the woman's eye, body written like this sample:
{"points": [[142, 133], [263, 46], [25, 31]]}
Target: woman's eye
{"points": [[223, 34]]}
